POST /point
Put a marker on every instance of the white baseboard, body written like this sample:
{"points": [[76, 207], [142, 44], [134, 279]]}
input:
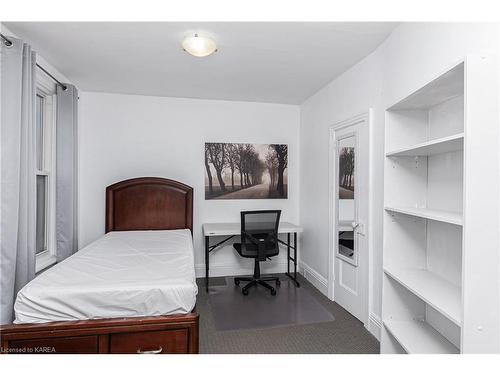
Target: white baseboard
{"points": [[314, 277], [375, 325], [230, 269]]}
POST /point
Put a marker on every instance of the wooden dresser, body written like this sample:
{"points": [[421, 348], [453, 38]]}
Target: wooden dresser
{"points": [[151, 335]]}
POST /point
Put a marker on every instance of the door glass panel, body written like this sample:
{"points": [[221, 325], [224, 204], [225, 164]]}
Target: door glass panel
{"points": [[346, 156]]}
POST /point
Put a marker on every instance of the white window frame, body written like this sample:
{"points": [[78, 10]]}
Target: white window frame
{"points": [[46, 88]]}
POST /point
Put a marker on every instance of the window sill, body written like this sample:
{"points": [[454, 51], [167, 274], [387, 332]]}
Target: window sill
{"points": [[44, 261]]}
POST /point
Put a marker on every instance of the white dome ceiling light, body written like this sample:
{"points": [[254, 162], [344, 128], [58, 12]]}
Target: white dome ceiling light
{"points": [[199, 46]]}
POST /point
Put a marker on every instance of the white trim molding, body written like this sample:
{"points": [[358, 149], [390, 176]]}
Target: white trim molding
{"points": [[375, 325], [314, 277]]}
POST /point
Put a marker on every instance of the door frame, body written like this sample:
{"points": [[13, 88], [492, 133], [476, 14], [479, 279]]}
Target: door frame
{"points": [[366, 118]]}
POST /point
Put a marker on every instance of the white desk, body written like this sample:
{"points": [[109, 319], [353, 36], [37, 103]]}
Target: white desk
{"points": [[229, 230], [234, 229]]}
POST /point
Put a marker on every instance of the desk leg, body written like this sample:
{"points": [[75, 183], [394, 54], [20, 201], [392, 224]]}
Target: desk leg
{"points": [[294, 259], [207, 254], [296, 246], [288, 254]]}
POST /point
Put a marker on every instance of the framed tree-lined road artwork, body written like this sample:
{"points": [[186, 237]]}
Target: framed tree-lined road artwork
{"points": [[246, 171]]}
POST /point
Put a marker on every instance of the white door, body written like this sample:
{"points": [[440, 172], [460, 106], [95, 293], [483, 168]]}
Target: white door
{"points": [[349, 207]]}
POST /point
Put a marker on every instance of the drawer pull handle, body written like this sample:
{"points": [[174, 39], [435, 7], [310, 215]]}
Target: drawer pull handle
{"points": [[155, 351]]}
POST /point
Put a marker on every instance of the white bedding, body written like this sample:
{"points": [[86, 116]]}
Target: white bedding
{"points": [[122, 274]]}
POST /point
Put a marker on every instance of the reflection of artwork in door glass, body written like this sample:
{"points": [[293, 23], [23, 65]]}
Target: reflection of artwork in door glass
{"points": [[346, 173]]}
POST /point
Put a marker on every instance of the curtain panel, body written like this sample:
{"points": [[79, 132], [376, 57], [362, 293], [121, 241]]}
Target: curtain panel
{"points": [[18, 183], [66, 171]]}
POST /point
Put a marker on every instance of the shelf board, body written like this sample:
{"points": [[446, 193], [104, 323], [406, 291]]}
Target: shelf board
{"points": [[444, 87], [418, 337], [437, 146], [449, 217], [437, 292]]}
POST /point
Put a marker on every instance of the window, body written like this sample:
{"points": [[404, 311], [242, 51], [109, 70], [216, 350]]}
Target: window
{"points": [[45, 173]]}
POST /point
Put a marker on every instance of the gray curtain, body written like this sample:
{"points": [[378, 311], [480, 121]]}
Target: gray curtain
{"points": [[18, 183], [66, 171]]}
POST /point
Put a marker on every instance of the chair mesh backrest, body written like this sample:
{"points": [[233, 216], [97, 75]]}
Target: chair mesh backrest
{"points": [[261, 222]]}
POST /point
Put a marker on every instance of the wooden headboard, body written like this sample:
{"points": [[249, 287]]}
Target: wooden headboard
{"points": [[149, 203]]}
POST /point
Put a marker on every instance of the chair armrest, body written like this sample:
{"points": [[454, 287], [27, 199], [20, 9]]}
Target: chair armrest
{"points": [[256, 241]]}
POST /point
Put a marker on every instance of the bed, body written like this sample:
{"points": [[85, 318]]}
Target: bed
{"points": [[131, 291]]}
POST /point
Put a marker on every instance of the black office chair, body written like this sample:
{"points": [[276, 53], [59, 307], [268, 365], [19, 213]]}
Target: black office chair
{"points": [[259, 240]]}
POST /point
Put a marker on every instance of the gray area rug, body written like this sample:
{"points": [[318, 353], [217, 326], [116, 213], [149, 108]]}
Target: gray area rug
{"points": [[344, 335], [259, 309]]}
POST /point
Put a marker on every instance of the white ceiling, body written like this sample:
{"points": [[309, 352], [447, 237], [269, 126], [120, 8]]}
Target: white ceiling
{"points": [[262, 62]]}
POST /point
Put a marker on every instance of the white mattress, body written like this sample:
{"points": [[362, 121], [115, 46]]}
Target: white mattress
{"points": [[122, 274]]}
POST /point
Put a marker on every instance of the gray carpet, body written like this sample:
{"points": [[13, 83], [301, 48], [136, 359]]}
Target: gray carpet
{"points": [[344, 335]]}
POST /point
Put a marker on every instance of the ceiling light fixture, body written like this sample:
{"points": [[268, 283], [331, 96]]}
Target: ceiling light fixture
{"points": [[199, 46]]}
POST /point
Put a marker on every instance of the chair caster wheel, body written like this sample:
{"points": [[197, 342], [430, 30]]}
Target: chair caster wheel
{"points": [[278, 283], [273, 292], [245, 292], [236, 282]]}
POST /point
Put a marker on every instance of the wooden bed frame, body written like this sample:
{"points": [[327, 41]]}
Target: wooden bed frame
{"points": [[146, 203]]}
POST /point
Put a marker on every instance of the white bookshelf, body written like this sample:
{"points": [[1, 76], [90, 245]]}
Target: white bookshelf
{"points": [[422, 308], [440, 282]]}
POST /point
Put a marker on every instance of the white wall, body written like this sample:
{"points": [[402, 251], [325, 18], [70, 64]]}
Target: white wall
{"points": [[126, 136], [413, 54]]}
